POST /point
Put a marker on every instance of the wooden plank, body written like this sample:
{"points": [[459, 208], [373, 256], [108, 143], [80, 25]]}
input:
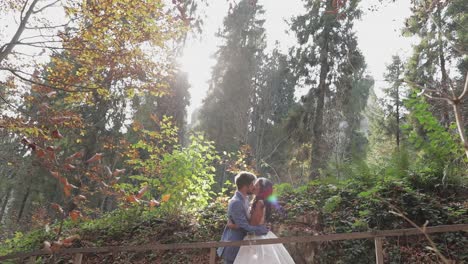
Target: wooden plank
{"points": [[378, 250], [78, 258], [212, 255], [282, 240]]}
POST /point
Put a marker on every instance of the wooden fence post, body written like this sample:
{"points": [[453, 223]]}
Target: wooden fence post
{"points": [[212, 255], [77, 258], [378, 250]]}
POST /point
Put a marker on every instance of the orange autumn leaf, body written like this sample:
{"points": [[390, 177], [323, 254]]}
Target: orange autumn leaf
{"points": [[69, 167], [132, 199], [142, 192], [79, 198], [96, 157], [153, 203], [75, 215], [67, 242], [50, 148], [51, 154], [57, 207], [56, 134], [40, 152], [67, 188], [165, 198], [117, 172], [67, 191], [55, 174], [63, 180], [76, 155], [56, 245], [114, 181]]}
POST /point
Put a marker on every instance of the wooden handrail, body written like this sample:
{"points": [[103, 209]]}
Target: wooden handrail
{"points": [[215, 244]]}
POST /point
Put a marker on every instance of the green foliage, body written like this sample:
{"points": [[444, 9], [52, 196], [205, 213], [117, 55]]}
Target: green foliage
{"points": [[187, 176], [438, 153], [181, 179], [25, 242], [356, 205], [331, 204], [353, 205]]}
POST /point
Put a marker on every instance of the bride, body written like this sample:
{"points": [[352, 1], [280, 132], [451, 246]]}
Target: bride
{"points": [[260, 213]]}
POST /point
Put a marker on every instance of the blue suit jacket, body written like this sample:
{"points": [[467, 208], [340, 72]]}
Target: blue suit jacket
{"points": [[238, 215]]}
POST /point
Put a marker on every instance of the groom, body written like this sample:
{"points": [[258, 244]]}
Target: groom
{"points": [[238, 213]]}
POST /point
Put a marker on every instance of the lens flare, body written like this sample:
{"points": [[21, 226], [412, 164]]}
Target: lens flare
{"points": [[273, 199]]}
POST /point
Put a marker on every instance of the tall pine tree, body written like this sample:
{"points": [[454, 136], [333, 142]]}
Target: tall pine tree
{"points": [[330, 65], [227, 111]]}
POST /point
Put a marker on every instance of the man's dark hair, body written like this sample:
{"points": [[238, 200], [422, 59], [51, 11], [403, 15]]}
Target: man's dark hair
{"points": [[244, 178]]}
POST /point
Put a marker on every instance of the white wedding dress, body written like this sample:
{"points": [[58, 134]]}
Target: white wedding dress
{"points": [[263, 254]]}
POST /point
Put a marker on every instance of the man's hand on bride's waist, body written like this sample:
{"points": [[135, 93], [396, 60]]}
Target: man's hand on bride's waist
{"points": [[262, 230]]}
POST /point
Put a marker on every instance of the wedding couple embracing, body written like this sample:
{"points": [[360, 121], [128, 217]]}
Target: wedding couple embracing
{"points": [[247, 221]]}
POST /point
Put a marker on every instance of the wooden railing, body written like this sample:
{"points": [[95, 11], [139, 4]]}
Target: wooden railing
{"points": [[378, 237]]}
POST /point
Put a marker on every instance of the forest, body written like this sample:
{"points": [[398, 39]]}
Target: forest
{"points": [[97, 147]]}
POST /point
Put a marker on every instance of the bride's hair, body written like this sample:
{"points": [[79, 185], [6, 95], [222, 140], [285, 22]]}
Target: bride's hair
{"points": [[266, 190]]}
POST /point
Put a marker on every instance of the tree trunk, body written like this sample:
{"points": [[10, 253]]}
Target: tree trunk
{"points": [[23, 203], [4, 204], [460, 123], [398, 117], [317, 159], [104, 204], [444, 81]]}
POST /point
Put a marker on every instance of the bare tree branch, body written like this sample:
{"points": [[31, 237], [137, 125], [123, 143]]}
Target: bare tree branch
{"points": [[15, 73], [447, 36], [18, 33], [450, 101], [13, 107], [38, 42], [38, 36], [275, 148], [50, 27], [399, 213], [33, 44], [465, 89], [44, 7], [24, 54], [423, 89], [3, 47], [22, 10]]}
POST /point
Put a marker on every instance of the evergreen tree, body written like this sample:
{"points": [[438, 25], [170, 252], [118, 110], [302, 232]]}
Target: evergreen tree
{"points": [[328, 62], [442, 32], [438, 67], [394, 97], [227, 111], [274, 97]]}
